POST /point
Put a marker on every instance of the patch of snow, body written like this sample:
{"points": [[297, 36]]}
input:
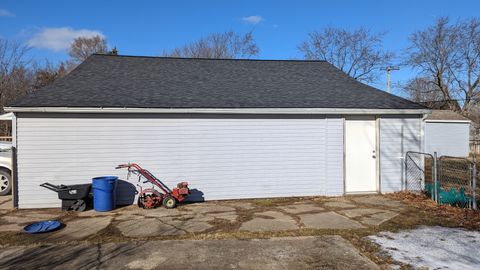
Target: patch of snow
{"points": [[433, 247]]}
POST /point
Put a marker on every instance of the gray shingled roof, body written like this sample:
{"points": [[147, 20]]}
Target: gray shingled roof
{"points": [[159, 82], [446, 115]]}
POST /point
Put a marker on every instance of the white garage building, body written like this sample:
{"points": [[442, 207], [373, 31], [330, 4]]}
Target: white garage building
{"points": [[231, 128], [447, 133]]}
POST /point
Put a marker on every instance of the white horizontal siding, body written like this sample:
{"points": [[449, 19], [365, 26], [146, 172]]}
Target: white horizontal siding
{"points": [[334, 157], [447, 138], [225, 158], [397, 136]]}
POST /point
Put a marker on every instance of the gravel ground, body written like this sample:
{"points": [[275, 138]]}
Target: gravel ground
{"points": [[432, 247]]}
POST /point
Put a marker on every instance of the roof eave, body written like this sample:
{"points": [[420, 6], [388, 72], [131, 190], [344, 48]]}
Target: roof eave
{"points": [[447, 121], [217, 110]]}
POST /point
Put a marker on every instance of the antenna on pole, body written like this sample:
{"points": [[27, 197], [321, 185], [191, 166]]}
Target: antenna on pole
{"points": [[388, 69]]}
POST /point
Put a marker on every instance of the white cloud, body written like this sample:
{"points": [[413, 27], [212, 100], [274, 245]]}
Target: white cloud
{"points": [[6, 13], [255, 19], [57, 39]]}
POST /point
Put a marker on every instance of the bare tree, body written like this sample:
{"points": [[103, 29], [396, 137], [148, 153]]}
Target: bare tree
{"points": [[15, 76], [83, 47], [219, 45], [48, 73], [359, 53], [447, 55], [20, 75], [421, 90]]}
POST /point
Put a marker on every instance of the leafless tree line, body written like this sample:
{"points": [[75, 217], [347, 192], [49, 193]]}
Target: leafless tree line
{"points": [[447, 58], [225, 45], [20, 74], [82, 47], [358, 52], [16, 78]]}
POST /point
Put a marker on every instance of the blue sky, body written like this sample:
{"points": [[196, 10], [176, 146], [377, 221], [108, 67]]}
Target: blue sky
{"points": [[149, 27]]}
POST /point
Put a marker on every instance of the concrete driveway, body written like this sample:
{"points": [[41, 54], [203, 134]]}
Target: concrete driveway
{"points": [[243, 234], [325, 252]]}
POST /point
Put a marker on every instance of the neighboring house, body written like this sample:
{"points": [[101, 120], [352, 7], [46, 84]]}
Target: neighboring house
{"points": [[231, 128], [447, 133]]}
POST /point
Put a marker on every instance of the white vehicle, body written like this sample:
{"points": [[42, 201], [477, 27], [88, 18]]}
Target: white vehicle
{"points": [[5, 168], [5, 161]]}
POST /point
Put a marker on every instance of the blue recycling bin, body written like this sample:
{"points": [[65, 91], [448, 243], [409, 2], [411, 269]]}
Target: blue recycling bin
{"points": [[104, 193]]}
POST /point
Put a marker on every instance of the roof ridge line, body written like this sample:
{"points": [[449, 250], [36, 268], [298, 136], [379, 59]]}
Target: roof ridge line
{"points": [[212, 59]]}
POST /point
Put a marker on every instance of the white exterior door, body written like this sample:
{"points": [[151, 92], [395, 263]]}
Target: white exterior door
{"points": [[360, 155]]}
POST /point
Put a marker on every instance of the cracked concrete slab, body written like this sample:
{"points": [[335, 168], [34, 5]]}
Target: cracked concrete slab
{"points": [[81, 228], [371, 216], [276, 222], [191, 226], [11, 228], [378, 201], [203, 208], [357, 212], [93, 213], [128, 217], [189, 222], [21, 217], [300, 208], [329, 220], [20, 220], [188, 216], [274, 215], [161, 212], [379, 218], [241, 205], [230, 216], [147, 227], [339, 204]]}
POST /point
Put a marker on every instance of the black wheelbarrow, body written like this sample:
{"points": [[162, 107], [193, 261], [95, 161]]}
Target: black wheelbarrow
{"points": [[74, 197]]}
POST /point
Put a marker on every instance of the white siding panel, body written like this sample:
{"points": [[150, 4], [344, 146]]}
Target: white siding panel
{"points": [[334, 157], [397, 136], [447, 138], [221, 157]]}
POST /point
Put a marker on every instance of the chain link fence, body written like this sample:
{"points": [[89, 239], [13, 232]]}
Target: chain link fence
{"points": [[456, 181], [447, 180], [476, 181], [418, 171]]}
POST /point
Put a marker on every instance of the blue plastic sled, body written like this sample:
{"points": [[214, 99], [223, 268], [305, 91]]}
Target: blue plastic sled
{"points": [[42, 226]]}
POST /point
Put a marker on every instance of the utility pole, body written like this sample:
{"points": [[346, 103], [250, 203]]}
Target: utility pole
{"points": [[388, 69]]}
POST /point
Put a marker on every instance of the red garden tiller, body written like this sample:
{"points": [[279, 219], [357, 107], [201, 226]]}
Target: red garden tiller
{"points": [[151, 198]]}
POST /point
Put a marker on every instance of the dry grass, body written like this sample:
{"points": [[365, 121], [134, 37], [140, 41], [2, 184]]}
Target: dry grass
{"points": [[458, 217], [263, 202]]}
